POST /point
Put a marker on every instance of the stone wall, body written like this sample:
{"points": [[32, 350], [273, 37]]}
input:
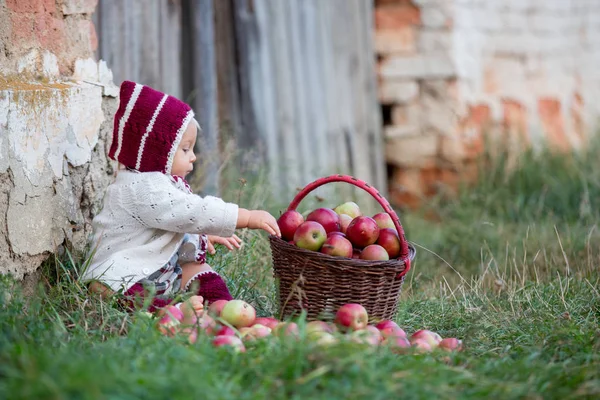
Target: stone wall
{"points": [[524, 72], [54, 103]]}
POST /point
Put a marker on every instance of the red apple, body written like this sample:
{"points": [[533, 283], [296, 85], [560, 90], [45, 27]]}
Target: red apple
{"points": [[398, 344], [286, 329], [450, 344], [374, 252], [269, 322], [370, 335], [390, 328], [325, 339], [288, 222], [421, 345], [337, 246], [352, 316], [388, 239], [356, 253], [216, 307], [362, 231], [169, 324], [316, 328], [257, 331], [238, 313], [384, 220], [330, 234], [225, 331], [349, 208], [191, 333], [229, 341], [327, 218], [427, 336], [310, 236], [344, 222]]}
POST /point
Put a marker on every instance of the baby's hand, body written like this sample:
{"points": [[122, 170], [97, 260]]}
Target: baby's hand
{"points": [[229, 242], [260, 219]]}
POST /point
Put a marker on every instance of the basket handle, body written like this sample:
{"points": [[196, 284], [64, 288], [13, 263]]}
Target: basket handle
{"points": [[404, 252]]}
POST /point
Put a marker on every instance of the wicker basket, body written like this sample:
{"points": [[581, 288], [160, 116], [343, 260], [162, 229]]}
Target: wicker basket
{"points": [[319, 284]]}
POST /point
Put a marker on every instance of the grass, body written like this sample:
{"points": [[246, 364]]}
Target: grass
{"points": [[512, 268]]}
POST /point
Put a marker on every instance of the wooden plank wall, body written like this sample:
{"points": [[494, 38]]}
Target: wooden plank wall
{"points": [[313, 88], [296, 78], [141, 41]]}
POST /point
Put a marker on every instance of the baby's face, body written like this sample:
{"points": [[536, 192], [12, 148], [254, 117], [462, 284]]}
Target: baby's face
{"points": [[183, 161]]}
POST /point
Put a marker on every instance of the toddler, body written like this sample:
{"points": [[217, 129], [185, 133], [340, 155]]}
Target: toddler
{"points": [[153, 233]]}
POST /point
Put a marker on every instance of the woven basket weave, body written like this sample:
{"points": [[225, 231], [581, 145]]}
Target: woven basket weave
{"points": [[319, 284]]}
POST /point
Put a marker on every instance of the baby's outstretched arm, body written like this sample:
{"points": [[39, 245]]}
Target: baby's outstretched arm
{"points": [[257, 219]]}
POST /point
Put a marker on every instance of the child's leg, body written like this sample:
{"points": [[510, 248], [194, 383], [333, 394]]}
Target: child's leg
{"points": [[133, 298], [212, 287]]}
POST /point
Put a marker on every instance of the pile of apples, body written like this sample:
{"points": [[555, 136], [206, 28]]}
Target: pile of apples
{"points": [[234, 324], [342, 232]]}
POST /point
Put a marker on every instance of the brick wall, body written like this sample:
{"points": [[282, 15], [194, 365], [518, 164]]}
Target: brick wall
{"points": [[525, 72]]}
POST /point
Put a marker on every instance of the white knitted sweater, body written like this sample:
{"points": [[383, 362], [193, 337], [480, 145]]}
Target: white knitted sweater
{"points": [[142, 225]]}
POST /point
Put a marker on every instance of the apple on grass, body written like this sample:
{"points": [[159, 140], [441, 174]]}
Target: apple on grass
{"points": [[352, 316], [238, 313], [450, 344], [349, 208], [256, 331], [421, 345], [398, 344], [362, 231], [225, 331], [326, 217], [269, 322], [390, 328], [288, 222], [287, 329], [388, 239], [337, 246], [316, 329], [431, 338], [370, 335], [384, 220], [229, 341], [374, 252], [216, 307], [169, 323], [310, 236]]}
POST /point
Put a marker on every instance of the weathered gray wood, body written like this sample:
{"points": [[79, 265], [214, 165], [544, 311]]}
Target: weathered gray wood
{"points": [[204, 78], [284, 97], [299, 77], [263, 93], [374, 123], [227, 81], [170, 46], [149, 44]]}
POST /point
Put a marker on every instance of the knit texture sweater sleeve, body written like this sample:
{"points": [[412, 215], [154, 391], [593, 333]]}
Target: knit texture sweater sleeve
{"points": [[156, 203]]}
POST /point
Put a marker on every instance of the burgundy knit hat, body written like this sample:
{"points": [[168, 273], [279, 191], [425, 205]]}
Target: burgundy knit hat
{"points": [[148, 127]]}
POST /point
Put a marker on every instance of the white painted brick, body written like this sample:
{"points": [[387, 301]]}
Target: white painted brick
{"points": [[434, 41], [418, 67], [398, 91], [435, 17], [516, 21], [544, 22]]}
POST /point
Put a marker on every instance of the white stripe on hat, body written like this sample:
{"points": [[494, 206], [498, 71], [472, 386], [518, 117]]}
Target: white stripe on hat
{"points": [[175, 144], [148, 130], [134, 96]]}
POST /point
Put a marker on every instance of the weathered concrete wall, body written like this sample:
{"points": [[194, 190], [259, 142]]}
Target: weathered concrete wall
{"points": [[451, 71], [55, 103]]}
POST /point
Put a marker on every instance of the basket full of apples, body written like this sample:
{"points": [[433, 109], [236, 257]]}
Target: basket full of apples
{"points": [[338, 256]]}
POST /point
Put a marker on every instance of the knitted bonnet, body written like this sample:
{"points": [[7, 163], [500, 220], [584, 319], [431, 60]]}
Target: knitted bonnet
{"points": [[148, 127]]}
